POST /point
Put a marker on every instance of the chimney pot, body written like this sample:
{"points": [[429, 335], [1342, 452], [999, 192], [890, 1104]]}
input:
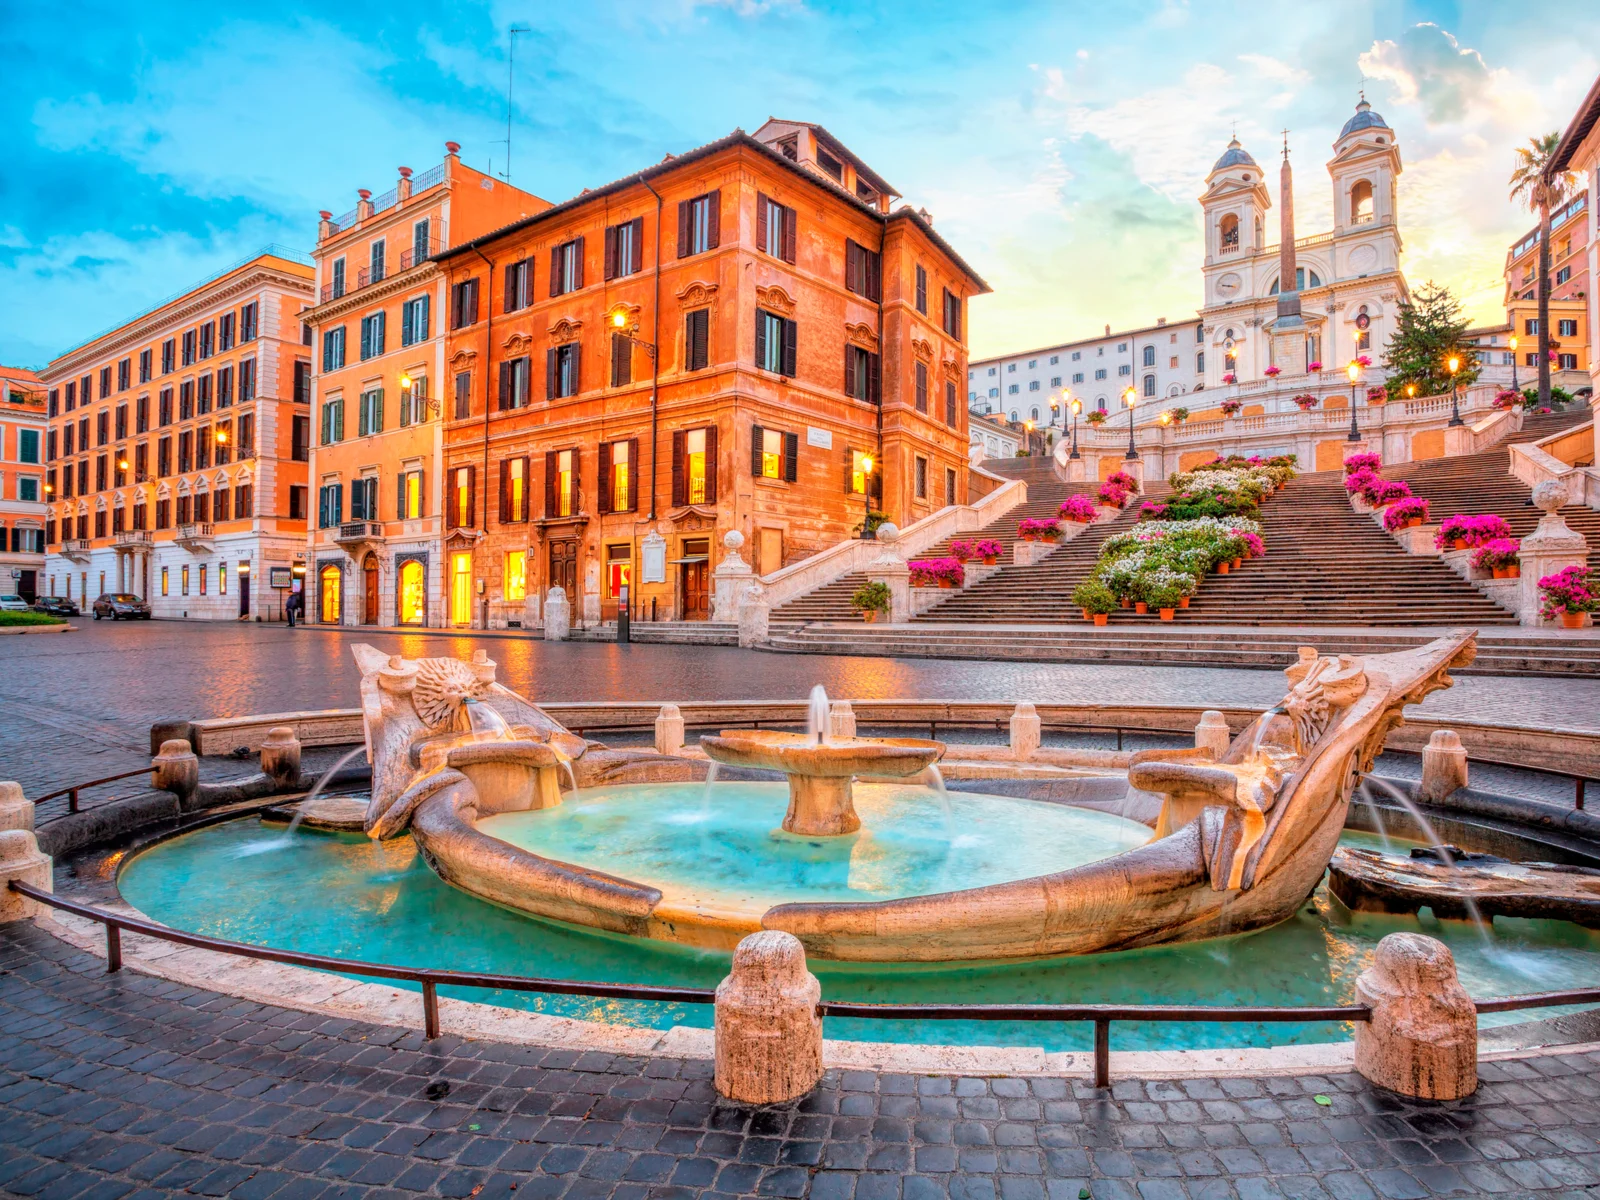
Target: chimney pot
{"points": [[325, 215], [364, 193], [452, 147], [405, 172]]}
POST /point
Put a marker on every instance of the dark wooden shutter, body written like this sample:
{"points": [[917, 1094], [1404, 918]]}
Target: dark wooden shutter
{"points": [[472, 300], [505, 491], [555, 270], [756, 435], [791, 457], [852, 266], [790, 221], [577, 370], [550, 483], [506, 369], [508, 288], [678, 490], [577, 481], [526, 511], [611, 251], [711, 464], [849, 369], [790, 345], [874, 378], [400, 496], [922, 387], [714, 219], [550, 366], [761, 221], [633, 472], [577, 264], [621, 360], [607, 483], [874, 264], [684, 207], [638, 258], [761, 339], [849, 458], [950, 404], [698, 341]]}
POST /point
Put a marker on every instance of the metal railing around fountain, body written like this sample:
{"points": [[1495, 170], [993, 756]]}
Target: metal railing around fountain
{"points": [[74, 803], [1100, 1015]]}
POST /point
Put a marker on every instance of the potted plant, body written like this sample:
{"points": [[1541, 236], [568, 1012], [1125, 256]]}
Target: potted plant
{"points": [[961, 551], [1165, 589], [1405, 514], [1305, 401], [988, 550], [871, 600], [1112, 495], [1124, 481], [1459, 532], [1095, 599], [1313, 366], [1035, 529], [1231, 408], [936, 572], [1506, 398], [1500, 557], [1097, 417], [1272, 371], [868, 529], [1077, 507], [1179, 415], [1362, 462], [1377, 395], [1568, 596], [1388, 491], [1363, 361]]}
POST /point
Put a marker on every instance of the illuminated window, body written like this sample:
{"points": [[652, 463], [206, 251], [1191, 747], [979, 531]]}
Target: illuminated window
{"points": [[202, 579], [772, 454], [163, 583], [460, 589], [694, 465], [411, 496], [185, 581], [859, 472], [564, 484], [619, 570], [222, 580], [413, 596], [332, 594], [621, 478], [516, 574]]}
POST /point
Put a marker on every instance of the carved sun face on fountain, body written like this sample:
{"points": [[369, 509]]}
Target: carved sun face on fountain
{"points": [[443, 687]]}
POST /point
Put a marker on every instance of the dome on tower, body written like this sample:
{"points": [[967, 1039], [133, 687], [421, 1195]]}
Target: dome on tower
{"points": [[1365, 118], [1234, 156]]}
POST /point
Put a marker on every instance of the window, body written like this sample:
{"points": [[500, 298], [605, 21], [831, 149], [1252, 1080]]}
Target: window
{"points": [[1033, 385], [1564, 274], [122, 421], [421, 243], [1530, 326], [514, 490], [1567, 362], [922, 289], [224, 387], [160, 504], [516, 384], [364, 499], [1099, 372], [855, 471], [332, 349], [102, 427], [1055, 380], [619, 570], [408, 500], [1033, 364], [920, 477], [302, 381], [168, 352], [369, 418], [297, 502], [185, 569], [1228, 233], [1122, 347], [124, 374], [1172, 362], [28, 443], [516, 577], [621, 360], [105, 382], [330, 593], [922, 387], [330, 505], [225, 332], [413, 400], [952, 314], [1149, 356], [372, 335], [248, 322], [247, 435], [1125, 369], [1012, 389], [697, 339], [776, 339], [28, 488], [1077, 377], [464, 304], [774, 454], [950, 403], [863, 271], [566, 267], [1200, 362], [208, 339], [414, 320], [202, 447], [994, 392], [413, 593], [562, 371], [1361, 202], [560, 483], [247, 380], [862, 375], [1054, 359], [203, 395], [1033, 415], [463, 394], [164, 458], [462, 500], [699, 224], [617, 491], [1567, 328], [375, 264], [1149, 385], [518, 286], [624, 248], [300, 438], [775, 228], [694, 466], [1077, 355], [333, 421]]}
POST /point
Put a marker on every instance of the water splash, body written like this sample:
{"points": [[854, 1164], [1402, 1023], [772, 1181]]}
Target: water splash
{"points": [[933, 778], [481, 718], [278, 843], [1377, 818], [1261, 728], [817, 716], [1473, 912], [705, 795]]}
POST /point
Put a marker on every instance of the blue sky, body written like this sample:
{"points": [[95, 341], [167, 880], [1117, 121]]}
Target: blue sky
{"points": [[1060, 147]]}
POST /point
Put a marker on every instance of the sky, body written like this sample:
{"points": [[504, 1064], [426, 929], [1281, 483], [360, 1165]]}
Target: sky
{"points": [[1059, 147]]}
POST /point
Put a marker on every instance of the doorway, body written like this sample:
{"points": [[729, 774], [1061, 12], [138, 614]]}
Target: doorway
{"points": [[369, 590], [564, 568], [461, 589], [413, 593], [332, 580], [244, 589], [694, 573]]}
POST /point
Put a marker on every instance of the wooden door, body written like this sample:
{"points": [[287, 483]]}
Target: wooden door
{"points": [[564, 569], [369, 573], [696, 591]]}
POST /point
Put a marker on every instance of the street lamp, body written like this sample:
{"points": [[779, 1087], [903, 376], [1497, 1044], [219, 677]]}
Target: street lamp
{"points": [[620, 322], [1453, 364], [1131, 398], [1077, 407], [1513, 344], [1354, 371]]}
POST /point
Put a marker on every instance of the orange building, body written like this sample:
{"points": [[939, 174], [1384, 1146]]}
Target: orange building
{"points": [[176, 448], [1569, 287], [22, 509], [379, 327], [745, 337]]}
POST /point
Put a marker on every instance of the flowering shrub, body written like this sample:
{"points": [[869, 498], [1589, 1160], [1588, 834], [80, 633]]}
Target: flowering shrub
{"points": [[932, 572], [1306, 401], [1271, 371], [1362, 462], [961, 551], [1363, 361], [1179, 415], [1029, 527], [1151, 511], [1497, 554], [1227, 377], [1113, 495], [1153, 557], [1123, 480], [1569, 590], [1093, 596], [1377, 395], [1315, 366], [1507, 398], [1230, 408], [1474, 531], [1078, 508], [1254, 547], [987, 548], [1388, 491], [1403, 512], [1360, 481], [1097, 416]]}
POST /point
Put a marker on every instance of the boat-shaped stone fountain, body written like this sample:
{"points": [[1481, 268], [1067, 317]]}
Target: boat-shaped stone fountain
{"points": [[1241, 840]]}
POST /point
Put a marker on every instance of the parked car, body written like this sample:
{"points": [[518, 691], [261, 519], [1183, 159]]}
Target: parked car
{"points": [[117, 605], [56, 606], [13, 604]]}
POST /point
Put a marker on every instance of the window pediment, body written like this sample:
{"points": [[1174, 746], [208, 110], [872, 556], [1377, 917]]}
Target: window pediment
{"points": [[565, 330], [775, 299], [698, 293], [861, 335], [516, 344], [922, 349]]}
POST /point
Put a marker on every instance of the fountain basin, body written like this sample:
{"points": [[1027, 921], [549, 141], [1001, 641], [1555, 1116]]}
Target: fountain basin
{"points": [[820, 771]]}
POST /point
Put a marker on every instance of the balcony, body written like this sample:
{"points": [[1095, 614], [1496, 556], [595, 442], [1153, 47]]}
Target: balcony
{"points": [[366, 277], [408, 256], [131, 539], [352, 533], [195, 536], [77, 549]]}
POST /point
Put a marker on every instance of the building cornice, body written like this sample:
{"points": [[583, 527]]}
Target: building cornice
{"points": [[386, 288]]}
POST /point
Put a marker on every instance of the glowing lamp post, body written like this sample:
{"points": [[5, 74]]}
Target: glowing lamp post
{"points": [[1453, 364], [1131, 399], [1354, 371], [1077, 407]]}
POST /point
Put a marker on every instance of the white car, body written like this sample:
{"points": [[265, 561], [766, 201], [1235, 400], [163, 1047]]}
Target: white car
{"points": [[13, 604]]}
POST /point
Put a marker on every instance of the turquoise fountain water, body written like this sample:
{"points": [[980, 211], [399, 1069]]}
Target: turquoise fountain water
{"points": [[380, 902]]}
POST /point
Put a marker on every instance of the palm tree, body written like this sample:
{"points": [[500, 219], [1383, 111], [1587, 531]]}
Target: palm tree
{"points": [[1536, 186]]}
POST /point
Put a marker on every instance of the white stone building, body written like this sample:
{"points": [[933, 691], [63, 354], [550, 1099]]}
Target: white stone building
{"points": [[990, 439]]}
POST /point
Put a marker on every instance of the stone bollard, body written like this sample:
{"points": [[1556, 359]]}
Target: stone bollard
{"points": [[16, 810], [20, 859], [669, 729], [557, 615], [767, 1031], [1025, 731], [280, 757], [1444, 766], [1212, 734], [841, 719], [754, 616], [176, 770], [1422, 1040]]}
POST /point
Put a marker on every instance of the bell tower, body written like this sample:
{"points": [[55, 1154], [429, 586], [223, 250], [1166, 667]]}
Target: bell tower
{"points": [[1235, 204], [1364, 169]]}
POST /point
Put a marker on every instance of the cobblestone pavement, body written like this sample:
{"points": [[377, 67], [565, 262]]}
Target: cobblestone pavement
{"points": [[129, 1086], [86, 699]]}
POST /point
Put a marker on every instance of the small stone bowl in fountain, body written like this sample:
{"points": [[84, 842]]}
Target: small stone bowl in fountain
{"points": [[820, 771]]}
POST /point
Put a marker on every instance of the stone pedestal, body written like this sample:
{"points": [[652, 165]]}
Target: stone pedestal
{"points": [[1418, 540], [767, 1031], [1212, 734], [669, 730], [1134, 467], [754, 615], [21, 860], [176, 770], [1422, 1040], [1026, 554], [890, 569], [16, 810], [557, 615], [280, 757], [1444, 766], [530, 610], [1076, 470], [729, 579], [1026, 731], [841, 720], [1458, 440], [1552, 547]]}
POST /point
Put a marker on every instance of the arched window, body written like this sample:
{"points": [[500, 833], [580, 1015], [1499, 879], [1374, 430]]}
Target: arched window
{"points": [[1228, 232], [1100, 403], [1013, 416], [1149, 356], [1035, 412], [1149, 385], [1175, 390], [332, 594], [1361, 202], [1301, 281], [413, 593], [1363, 329]]}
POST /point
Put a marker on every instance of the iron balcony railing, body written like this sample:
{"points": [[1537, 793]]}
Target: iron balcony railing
{"points": [[409, 258]]}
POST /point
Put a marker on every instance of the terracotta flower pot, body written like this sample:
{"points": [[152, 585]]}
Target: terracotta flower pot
{"points": [[1141, 608], [1222, 568], [1514, 571], [1167, 613], [1183, 602], [1414, 522], [1499, 572], [947, 583], [1027, 537], [1572, 620], [1238, 562], [1125, 602], [1087, 615], [989, 560], [1101, 618], [1459, 544], [869, 615]]}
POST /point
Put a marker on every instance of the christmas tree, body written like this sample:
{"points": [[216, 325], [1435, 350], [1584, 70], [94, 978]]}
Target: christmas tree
{"points": [[1430, 332]]}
